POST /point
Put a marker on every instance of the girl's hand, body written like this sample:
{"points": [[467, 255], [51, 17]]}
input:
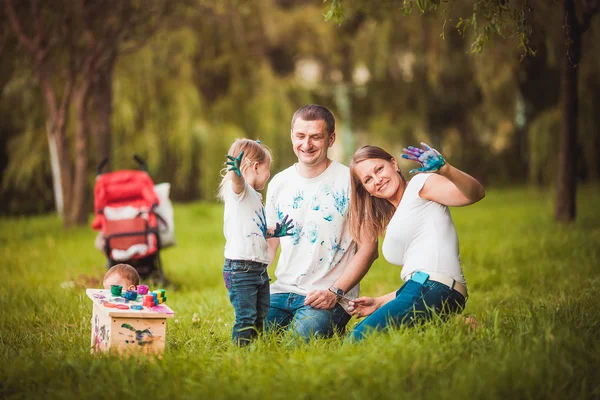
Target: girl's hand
{"points": [[283, 229], [234, 163], [430, 159], [363, 306]]}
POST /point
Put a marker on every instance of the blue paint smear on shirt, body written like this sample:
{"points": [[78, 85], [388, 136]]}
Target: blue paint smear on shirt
{"points": [[298, 233], [315, 204], [298, 199], [341, 202], [312, 232], [262, 222], [280, 214]]}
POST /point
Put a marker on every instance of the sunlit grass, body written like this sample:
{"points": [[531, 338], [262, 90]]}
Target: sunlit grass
{"points": [[533, 285]]}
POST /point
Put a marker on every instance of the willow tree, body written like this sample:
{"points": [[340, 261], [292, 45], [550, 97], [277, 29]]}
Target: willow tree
{"points": [[491, 18]]}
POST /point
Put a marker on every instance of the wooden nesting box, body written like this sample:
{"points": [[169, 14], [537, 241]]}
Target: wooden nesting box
{"points": [[124, 329]]}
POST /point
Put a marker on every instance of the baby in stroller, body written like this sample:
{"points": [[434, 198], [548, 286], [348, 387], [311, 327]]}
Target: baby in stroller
{"points": [[126, 208]]}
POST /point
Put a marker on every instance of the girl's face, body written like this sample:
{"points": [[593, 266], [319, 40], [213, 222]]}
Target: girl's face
{"points": [[379, 177]]}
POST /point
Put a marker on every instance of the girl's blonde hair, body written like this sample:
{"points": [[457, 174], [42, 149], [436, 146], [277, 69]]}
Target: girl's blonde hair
{"points": [[368, 215], [254, 151]]}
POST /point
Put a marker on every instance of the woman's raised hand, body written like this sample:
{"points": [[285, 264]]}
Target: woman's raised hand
{"points": [[362, 306], [430, 159]]}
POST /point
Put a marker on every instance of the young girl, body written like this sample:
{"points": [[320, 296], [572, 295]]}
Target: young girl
{"points": [[246, 233]]}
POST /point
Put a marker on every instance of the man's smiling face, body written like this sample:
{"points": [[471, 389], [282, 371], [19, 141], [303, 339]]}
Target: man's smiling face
{"points": [[310, 141]]}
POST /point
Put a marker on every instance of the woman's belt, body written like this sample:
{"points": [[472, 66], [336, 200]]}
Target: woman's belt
{"points": [[443, 279]]}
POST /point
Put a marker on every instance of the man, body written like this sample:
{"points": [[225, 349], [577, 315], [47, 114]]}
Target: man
{"points": [[319, 263]]}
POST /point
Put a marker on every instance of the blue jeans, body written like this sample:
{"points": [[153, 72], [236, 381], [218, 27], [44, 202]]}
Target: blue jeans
{"points": [[248, 285], [288, 311], [414, 302]]}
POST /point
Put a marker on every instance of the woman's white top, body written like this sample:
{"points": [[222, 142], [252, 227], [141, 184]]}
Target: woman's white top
{"points": [[244, 225], [421, 236]]}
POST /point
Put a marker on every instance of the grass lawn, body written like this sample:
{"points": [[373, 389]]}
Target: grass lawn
{"points": [[534, 285]]}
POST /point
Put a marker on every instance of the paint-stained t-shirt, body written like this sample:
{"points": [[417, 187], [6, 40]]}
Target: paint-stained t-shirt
{"points": [[244, 225], [321, 246]]}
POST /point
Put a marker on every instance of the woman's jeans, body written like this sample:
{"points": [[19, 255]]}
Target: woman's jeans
{"points": [[248, 286], [414, 302]]}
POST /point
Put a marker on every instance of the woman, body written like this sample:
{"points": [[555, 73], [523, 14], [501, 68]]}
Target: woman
{"points": [[419, 233]]}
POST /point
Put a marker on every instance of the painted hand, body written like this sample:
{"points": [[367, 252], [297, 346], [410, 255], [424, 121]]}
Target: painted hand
{"points": [[234, 163], [430, 159], [283, 229]]}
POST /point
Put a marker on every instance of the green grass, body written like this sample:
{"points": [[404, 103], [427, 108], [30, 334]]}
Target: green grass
{"points": [[534, 285]]}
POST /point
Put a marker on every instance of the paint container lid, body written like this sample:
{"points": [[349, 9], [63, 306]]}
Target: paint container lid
{"points": [[116, 290], [142, 289], [137, 307], [122, 306], [109, 305]]}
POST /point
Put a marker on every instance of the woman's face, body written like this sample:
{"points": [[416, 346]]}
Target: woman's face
{"points": [[379, 177]]}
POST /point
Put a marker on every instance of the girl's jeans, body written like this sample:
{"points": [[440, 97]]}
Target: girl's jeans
{"points": [[248, 286], [414, 302]]}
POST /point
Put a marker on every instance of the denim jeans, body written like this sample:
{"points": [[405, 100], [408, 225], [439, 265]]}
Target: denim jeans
{"points": [[248, 285], [414, 302], [288, 311]]}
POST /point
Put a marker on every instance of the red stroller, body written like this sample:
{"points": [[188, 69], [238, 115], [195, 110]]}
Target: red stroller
{"points": [[124, 207]]}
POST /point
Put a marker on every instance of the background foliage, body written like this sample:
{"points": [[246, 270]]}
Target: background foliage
{"points": [[214, 71]]}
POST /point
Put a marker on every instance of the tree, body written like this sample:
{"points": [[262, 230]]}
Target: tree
{"points": [[493, 17], [72, 45]]}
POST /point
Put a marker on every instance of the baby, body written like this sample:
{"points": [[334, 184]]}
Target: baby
{"points": [[124, 275]]}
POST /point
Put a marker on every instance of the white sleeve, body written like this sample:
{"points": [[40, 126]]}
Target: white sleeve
{"points": [[232, 196], [417, 183]]}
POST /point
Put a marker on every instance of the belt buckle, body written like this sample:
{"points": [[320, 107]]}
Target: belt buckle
{"points": [[420, 277]]}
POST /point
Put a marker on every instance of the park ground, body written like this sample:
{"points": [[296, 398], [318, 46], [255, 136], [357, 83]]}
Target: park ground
{"points": [[534, 287]]}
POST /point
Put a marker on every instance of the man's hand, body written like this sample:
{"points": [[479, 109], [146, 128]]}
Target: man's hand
{"points": [[321, 299], [430, 159]]}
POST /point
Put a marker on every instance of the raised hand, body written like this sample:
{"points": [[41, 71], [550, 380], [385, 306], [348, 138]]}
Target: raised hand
{"points": [[283, 229], [430, 159], [234, 163]]}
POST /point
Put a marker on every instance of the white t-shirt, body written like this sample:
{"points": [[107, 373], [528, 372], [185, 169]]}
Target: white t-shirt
{"points": [[244, 225], [314, 257], [421, 236]]}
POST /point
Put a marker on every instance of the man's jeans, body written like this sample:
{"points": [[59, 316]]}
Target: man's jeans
{"points": [[414, 302], [288, 311], [248, 286]]}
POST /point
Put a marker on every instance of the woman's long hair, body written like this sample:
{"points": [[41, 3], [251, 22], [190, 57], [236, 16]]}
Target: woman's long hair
{"points": [[368, 215]]}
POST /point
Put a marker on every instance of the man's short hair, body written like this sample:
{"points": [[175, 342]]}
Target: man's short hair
{"points": [[315, 112], [126, 271]]}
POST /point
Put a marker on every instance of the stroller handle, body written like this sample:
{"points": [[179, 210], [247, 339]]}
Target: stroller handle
{"points": [[142, 164]]}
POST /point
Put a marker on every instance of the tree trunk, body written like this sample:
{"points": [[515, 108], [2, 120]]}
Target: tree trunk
{"points": [[565, 208], [59, 149], [101, 98], [79, 214], [55, 168]]}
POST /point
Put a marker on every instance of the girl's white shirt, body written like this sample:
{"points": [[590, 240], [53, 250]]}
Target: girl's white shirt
{"points": [[244, 225]]}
